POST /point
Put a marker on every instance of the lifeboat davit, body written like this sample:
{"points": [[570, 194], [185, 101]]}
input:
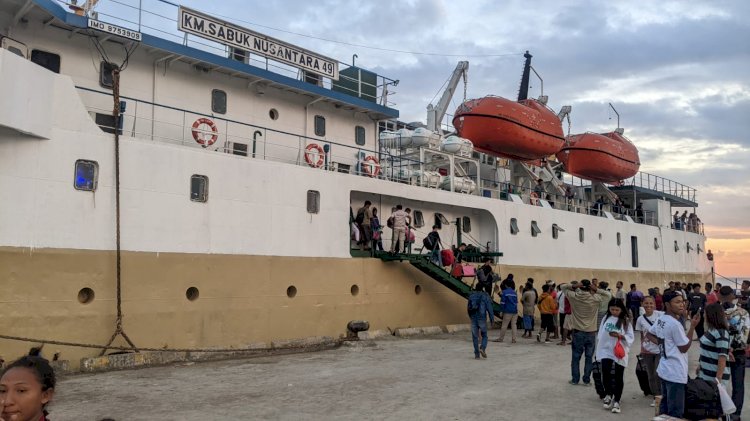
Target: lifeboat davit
{"points": [[607, 157], [525, 130]]}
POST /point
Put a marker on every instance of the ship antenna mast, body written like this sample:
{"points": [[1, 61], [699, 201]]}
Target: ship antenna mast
{"points": [[618, 129], [523, 91]]}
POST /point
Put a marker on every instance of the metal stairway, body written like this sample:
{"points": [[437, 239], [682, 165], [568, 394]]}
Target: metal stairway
{"points": [[423, 263]]}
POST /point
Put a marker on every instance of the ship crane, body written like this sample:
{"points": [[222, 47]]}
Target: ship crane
{"points": [[436, 113]]}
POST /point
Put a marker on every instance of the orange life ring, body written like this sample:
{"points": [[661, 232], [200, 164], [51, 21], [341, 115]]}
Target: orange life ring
{"points": [[534, 198], [312, 150], [372, 170], [200, 135]]}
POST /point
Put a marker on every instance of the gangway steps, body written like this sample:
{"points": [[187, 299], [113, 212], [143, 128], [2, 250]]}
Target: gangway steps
{"points": [[423, 263]]}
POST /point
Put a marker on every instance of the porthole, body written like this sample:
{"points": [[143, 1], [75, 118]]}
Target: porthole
{"points": [[291, 292], [273, 114], [354, 290], [418, 289], [85, 295], [192, 294], [600, 236]]}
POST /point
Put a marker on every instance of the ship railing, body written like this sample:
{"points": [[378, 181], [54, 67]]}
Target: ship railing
{"points": [[241, 139], [153, 17], [662, 185], [254, 141], [504, 190]]}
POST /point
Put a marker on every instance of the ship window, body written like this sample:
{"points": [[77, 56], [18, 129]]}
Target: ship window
{"points": [[239, 149], [619, 239], [676, 246], [688, 248], [320, 125], [359, 135], [86, 175], [313, 201], [418, 219], [47, 60], [219, 101], [199, 188], [106, 122], [656, 243], [440, 220], [273, 113], [535, 229], [580, 234], [556, 231], [105, 74], [466, 222], [634, 250], [698, 247], [513, 226]]}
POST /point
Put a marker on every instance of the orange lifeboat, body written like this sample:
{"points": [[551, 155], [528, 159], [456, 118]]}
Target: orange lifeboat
{"points": [[608, 157], [525, 130]]}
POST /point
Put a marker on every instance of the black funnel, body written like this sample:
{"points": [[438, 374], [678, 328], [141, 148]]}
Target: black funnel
{"points": [[523, 91]]}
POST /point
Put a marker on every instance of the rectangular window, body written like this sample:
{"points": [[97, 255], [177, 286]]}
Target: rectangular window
{"points": [[313, 201], [238, 54], [513, 226], [466, 222], [688, 248], [320, 125], [47, 60], [619, 239], [535, 229], [581, 236], [634, 250], [105, 74], [418, 219], [199, 188], [656, 244], [106, 122], [440, 220], [556, 231], [676, 246], [239, 149], [86, 175], [359, 135], [219, 101]]}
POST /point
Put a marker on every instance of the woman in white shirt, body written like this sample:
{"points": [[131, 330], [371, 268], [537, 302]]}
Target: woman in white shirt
{"points": [[615, 327], [650, 352]]}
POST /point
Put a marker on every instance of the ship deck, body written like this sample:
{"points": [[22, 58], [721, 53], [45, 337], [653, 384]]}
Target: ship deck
{"points": [[433, 377]]}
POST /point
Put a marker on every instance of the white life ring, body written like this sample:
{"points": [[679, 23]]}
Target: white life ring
{"points": [[371, 166], [314, 155], [205, 138]]}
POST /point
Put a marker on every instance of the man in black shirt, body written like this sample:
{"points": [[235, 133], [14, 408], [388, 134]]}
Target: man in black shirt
{"points": [[697, 303]]}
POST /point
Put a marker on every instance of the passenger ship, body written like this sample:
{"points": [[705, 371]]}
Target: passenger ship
{"points": [[241, 159]]}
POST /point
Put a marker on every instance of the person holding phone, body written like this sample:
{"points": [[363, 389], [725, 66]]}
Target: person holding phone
{"points": [[674, 345], [697, 302]]}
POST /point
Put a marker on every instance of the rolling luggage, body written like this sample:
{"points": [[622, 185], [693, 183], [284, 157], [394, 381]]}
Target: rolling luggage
{"points": [[642, 375], [702, 400]]}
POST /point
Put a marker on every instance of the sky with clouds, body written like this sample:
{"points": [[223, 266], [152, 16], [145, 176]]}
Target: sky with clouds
{"points": [[677, 72]]}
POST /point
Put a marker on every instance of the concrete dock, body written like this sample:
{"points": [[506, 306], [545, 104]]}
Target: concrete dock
{"points": [[422, 378]]}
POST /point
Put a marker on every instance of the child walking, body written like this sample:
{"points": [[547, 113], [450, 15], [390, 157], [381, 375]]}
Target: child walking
{"points": [[613, 345]]}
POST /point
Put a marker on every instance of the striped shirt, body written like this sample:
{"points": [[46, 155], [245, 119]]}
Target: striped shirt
{"points": [[714, 343]]}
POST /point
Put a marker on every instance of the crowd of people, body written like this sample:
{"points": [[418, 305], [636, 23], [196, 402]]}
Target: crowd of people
{"points": [[686, 222], [602, 325]]}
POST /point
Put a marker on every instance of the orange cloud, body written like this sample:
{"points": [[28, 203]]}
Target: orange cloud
{"points": [[731, 256]]}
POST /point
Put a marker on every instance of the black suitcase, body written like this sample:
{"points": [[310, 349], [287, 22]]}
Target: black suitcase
{"points": [[642, 375], [702, 400], [596, 373]]}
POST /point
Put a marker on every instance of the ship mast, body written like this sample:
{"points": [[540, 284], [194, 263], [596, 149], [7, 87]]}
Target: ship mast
{"points": [[523, 91]]}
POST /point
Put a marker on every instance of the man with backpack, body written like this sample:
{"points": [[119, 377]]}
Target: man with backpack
{"points": [[433, 244], [479, 306]]}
